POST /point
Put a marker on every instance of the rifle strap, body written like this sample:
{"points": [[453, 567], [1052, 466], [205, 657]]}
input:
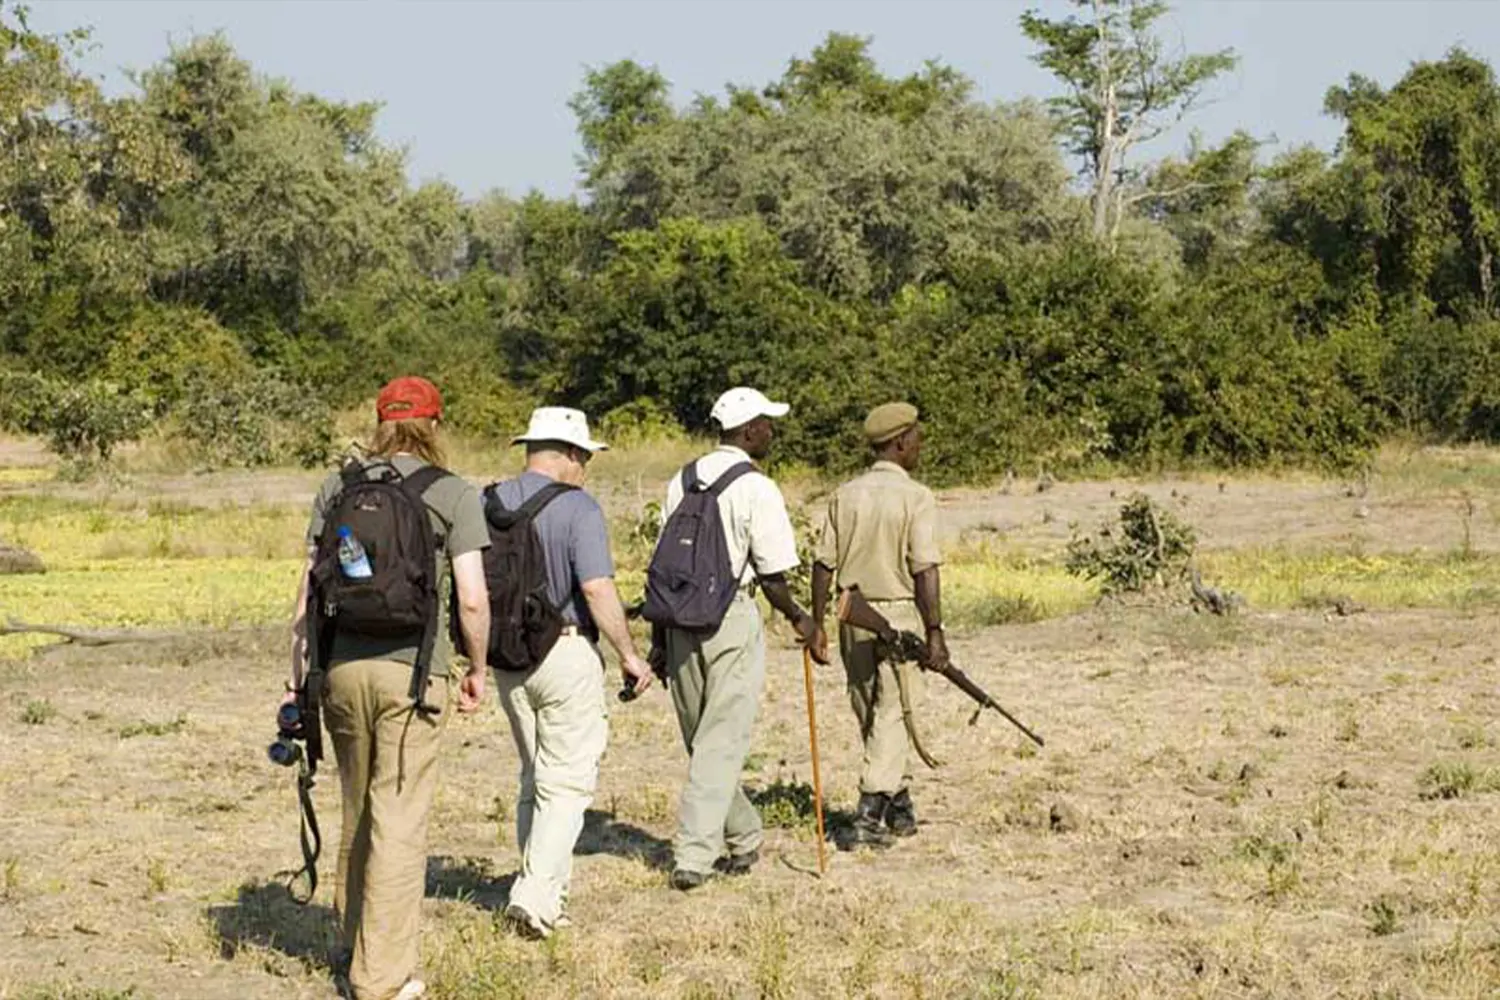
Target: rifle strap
{"points": [[903, 687]]}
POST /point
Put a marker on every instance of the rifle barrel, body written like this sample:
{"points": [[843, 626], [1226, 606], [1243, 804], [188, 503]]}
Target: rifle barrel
{"points": [[961, 680]]}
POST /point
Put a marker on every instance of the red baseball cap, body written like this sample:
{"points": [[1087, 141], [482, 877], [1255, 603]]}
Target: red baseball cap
{"points": [[408, 398]]}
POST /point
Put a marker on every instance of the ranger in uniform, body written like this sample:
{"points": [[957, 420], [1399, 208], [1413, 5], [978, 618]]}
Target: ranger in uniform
{"points": [[880, 535]]}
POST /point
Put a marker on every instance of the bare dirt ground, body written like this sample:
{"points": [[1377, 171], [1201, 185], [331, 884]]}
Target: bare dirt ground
{"points": [[1273, 805]]}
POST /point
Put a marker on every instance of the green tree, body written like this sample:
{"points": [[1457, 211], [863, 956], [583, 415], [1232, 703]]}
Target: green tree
{"points": [[617, 103], [1123, 89], [1424, 164]]}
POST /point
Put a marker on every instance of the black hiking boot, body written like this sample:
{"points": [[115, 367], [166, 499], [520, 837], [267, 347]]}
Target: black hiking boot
{"points": [[869, 821], [738, 864], [686, 881], [901, 816]]}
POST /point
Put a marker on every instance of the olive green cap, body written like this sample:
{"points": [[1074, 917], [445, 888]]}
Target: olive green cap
{"points": [[889, 421]]}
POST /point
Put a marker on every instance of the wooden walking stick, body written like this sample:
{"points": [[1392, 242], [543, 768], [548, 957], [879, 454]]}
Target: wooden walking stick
{"points": [[812, 736]]}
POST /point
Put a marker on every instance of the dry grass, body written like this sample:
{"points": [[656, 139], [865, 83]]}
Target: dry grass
{"points": [[1286, 803], [1237, 838]]}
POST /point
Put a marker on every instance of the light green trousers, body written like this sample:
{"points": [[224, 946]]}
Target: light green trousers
{"points": [[558, 718], [716, 683]]}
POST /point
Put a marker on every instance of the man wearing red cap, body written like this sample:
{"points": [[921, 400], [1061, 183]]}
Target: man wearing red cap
{"points": [[386, 741]]}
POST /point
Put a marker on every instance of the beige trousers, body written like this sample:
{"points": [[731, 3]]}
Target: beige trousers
{"points": [[716, 682], [560, 723], [388, 767], [876, 700]]}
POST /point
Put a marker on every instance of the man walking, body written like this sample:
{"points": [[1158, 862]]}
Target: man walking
{"points": [[557, 709], [385, 683], [880, 535], [716, 677]]}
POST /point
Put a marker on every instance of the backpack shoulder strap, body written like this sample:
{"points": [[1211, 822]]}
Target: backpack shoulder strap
{"points": [[729, 478], [424, 479], [542, 497], [504, 517], [418, 483]]}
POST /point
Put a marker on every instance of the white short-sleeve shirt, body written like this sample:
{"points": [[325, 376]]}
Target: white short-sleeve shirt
{"points": [[757, 527]]}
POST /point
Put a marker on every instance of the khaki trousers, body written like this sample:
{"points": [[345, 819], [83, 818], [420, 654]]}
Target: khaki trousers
{"points": [[558, 718], [388, 767], [716, 682], [877, 701]]}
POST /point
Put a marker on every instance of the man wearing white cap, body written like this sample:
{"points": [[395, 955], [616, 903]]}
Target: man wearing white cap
{"points": [[716, 679], [557, 710]]}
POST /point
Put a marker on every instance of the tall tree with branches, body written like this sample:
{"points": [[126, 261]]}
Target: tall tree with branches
{"points": [[1124, 89]]}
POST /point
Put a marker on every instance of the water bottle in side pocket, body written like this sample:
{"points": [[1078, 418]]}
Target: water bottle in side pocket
{"points": [[353, 562]]}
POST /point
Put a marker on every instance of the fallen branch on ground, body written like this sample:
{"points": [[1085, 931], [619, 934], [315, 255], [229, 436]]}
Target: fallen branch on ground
{"points": [[91, 637]]}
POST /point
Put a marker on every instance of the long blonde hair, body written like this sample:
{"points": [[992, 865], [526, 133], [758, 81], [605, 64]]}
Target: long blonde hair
{"points": [[417, 436]]}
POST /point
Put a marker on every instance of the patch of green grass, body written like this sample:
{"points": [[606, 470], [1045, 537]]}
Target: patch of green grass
{"points": [[986, 610], [151, 593], [156, 877], [11, 887], [1430, 469], [1385, 920], [1472, 737], [73, 991], [987, 585], [145, 728], [71, 534], [1278, 577], [38, 713], [785, 805], [1456, 780]]}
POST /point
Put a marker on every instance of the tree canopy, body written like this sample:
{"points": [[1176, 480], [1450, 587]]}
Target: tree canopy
{"points": [[217, 246]]}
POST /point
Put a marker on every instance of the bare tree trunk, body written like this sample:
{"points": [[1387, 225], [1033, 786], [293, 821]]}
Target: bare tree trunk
{"points": [[1104, 164], [1486, 276]]}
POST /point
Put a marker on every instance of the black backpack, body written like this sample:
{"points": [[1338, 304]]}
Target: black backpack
{"points": [[690, 582], [390, 519], [524, 623]]}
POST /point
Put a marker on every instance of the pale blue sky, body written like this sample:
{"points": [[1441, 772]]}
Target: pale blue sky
{"points": [[478, 91]]}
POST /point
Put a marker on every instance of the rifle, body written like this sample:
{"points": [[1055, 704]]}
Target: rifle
{"points": [[905, 647]]}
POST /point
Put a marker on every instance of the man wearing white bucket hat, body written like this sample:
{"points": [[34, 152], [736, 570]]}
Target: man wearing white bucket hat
{"points": [[557, 708], [716, 674]]}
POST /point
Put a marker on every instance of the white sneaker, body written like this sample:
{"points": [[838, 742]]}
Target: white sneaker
{"points": [[413, 989]]}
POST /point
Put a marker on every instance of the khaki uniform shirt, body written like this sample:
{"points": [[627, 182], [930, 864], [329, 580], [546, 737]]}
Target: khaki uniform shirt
{"points": [[451, 502], [879, 531], [757, 526]]}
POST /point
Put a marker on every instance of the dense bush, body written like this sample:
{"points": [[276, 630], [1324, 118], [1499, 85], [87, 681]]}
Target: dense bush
{"points": [[261, 420], [1147, 546]]}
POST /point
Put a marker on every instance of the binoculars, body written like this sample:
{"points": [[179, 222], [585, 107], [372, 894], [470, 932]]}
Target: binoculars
{"points": [[286, 750]]}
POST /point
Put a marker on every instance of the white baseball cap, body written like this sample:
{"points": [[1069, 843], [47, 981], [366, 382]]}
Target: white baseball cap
{"points": [[560, 423], [742, 404]]}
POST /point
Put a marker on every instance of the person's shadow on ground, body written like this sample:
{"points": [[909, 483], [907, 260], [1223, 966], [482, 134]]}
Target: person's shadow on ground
{"points": [[478, 882], [468, 880], [264, 915], [603, 834]]}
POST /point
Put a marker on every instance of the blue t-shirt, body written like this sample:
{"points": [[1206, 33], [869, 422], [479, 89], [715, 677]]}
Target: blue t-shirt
{"points": [[575, 539]]}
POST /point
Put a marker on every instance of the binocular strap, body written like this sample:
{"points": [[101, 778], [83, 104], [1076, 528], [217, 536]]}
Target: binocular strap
{"points": [[311, 838]]}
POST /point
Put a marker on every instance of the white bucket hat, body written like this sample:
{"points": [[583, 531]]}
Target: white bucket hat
{"points": [[560, 423], [741, 405]]}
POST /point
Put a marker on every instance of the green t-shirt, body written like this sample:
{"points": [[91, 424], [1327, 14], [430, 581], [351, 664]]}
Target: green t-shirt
{"points": [[450, 501]]}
